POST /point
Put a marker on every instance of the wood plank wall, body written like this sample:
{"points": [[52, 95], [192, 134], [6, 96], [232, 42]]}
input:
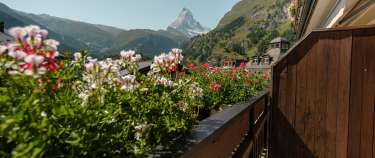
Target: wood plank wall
{"points": [[323, 96]]}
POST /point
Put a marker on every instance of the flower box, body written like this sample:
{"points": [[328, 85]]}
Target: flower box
{"points": [[223, 134]]}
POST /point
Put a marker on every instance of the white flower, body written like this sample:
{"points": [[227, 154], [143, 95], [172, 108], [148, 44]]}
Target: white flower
{"points": [[18, 54], [34, 59], [43, 114], [3, 49], [165, 82], [44, 33], [92, 60], [13, 72], [195, 90], [89, 66], [138, 57], [18, 32], [177, 51], [13, 46], [127, 54], [140, 130], [129, 78], [38, 39], [130, 56], [33, 30], [167, 62], [28, 72], [77, 56], [128, 83], [42, 70], [129, 87], [94, 86], [51, 44]]}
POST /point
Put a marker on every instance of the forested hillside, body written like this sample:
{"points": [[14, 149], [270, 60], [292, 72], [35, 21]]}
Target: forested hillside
{"points": [[242, 32]]}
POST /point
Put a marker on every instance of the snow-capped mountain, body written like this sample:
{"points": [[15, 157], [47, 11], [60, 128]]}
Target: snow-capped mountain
{"points": [[186, 24]]}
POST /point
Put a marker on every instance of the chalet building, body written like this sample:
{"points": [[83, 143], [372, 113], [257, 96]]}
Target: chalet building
{"points": [[276, 48], [228, 62]]}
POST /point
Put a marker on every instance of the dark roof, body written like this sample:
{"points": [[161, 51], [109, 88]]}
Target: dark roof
{"points": [[279, 40], [144, 64], [4, 37]]}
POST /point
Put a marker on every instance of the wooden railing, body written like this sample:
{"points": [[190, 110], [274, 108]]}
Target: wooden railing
{"points": [[323, 96], [241, 130], [255, 142]]}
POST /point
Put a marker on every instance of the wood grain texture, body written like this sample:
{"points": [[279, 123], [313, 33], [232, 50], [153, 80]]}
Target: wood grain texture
{"points": [[328, 107]]}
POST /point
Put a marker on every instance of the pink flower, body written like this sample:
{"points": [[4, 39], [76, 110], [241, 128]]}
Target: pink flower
{"points": [[34, 59], [32, 30], [3, 49], [89, 66], [18, 33], [32, 53], [215, 87], [18, 54], [51, 44], [167, 63], [130, 56], [215, 70]]}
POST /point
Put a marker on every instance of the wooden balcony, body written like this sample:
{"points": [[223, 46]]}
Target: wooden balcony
{"points": [[239, 131], [323, 96], [322, 105]]}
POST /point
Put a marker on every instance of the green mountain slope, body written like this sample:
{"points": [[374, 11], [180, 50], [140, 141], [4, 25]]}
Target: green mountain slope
{"points": [[147, 42], [95, 39], [101, 41], [242, 32], [12, 18]]}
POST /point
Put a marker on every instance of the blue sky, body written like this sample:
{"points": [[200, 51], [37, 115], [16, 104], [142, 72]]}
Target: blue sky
{"points": [[127, 14]]}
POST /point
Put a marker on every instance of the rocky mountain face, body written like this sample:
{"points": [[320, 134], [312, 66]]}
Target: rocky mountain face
{"points": [[186, 24]]}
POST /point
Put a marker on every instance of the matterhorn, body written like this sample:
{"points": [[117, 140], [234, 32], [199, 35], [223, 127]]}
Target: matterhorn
{"points": [[186, 24]]}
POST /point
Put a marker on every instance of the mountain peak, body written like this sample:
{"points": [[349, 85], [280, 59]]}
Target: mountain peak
{"points": [[186, 24]]}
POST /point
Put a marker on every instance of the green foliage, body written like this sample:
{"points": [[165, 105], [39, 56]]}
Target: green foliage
{"points": [[235, 84], [36, 119], [47, 117]]}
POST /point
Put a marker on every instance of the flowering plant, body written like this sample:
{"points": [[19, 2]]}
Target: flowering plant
{"points": [[226, 86], [88, 107], [31, 54], [84, 107]]}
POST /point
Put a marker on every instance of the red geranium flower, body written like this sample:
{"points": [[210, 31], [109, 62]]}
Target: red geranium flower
{"points": [[215, 87], [205, 66], [191, 67], [62, 65], [173, 69], [243, 65]]}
